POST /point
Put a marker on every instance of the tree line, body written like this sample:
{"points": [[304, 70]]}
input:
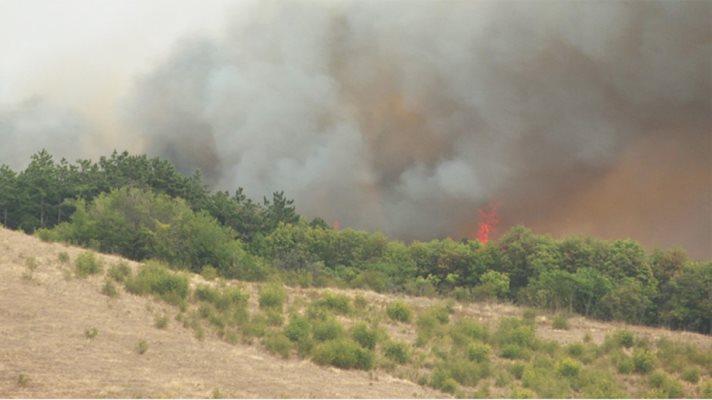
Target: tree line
{"points": [[143, 208]]}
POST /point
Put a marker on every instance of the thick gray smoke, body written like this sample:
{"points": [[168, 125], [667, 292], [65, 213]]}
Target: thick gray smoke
{"points": [[408, 116]]}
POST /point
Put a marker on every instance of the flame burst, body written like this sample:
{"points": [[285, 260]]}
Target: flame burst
{"points": [[488, 223], [336, 225]]}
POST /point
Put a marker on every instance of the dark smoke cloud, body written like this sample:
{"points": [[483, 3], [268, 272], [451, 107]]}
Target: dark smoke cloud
{"points": [[408, 116]]}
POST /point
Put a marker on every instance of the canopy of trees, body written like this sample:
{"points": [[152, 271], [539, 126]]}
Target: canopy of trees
{"points": [[143, 208]]}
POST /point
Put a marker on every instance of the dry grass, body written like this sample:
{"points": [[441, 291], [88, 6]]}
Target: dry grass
{"points": [[43, 323]]}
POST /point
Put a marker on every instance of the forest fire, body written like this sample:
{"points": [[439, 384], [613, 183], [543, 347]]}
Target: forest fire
{"points": [[488, 223]]}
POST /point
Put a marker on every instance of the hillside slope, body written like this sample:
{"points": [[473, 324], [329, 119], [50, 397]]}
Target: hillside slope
{"points": [[42, 325], [45, 312]]}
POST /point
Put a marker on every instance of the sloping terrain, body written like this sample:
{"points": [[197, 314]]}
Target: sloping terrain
{"points": [[43, 318], [48, 314]]}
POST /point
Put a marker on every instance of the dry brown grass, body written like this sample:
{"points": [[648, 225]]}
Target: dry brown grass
{"points": [[42, 324], [42, 329]]}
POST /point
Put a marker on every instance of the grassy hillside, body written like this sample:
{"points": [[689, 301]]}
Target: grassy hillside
{"points": [[77, 325]]}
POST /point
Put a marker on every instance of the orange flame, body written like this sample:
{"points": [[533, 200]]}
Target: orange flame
{"points": [[336, 225], [488, 223]]}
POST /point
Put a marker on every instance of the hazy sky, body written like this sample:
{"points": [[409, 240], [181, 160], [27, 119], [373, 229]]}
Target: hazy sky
{"points": [[84, 54], [573, 117]]}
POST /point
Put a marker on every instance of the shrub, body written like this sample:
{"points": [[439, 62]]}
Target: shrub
{"points": [[399, 311], [478, 351], [337, 303], [575, 349], [465, 330], [624, 337], [360, 303], [328, 329], [155, 278], [442, 380], [90, 333], [297, 329], [466, 372], [643, 360], [63, 257], [523, 393], [364, 336], [517, 369], [141, 347], [209, 272], [278, 344], [272, 296], [161, 322], [517, 331], [665, 386], [255, 327], [87, 264], [560, 321], [119, 271], [397, 351], [514, 352], [568, 368], [343, 353], [624, 365], [109, 289], [23, 380], [691, 375], [707, 390]]}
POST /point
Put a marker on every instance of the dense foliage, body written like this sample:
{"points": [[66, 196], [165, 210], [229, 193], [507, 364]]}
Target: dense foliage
{"points": [[144, 208]]}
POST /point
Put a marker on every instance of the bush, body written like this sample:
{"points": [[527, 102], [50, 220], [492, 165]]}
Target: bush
{"points": [[466, 372], [155, 278], [478, 351], [643, 361], [119, 271], [90, 333], [691, 375], [665, 386], [397, 351], [707, 390], [23, 380], [161, 322], [560, 321], [272, 296], [343, 353], [568, 368], [109, 289], [208, 272], [442, 380], [328, 329], [337, 303], [278, 344], [399, 311], [364, 336], [87, 264], [466, 330], [517, 369], [141, 347], [624, 337], [297, 329], [255, 327], [512, 331], [230, 297], [514, 352], [63, 257], [624, 365]]}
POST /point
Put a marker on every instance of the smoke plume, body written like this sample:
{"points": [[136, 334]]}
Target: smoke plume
{"points": [[407, 117], [586, 117]]}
